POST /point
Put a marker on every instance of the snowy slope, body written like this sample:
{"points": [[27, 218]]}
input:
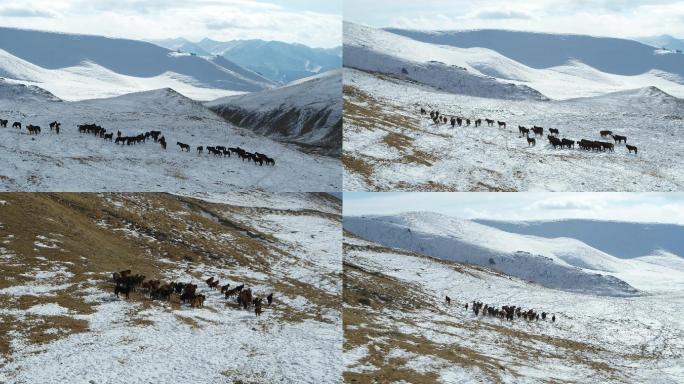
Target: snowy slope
{"points": [[565, 79], [72, 161], [62, 323], [276, 60], [306, 112], [398, 326], [388, 145], [22, 92], [546, 50], [562, 262], [98, 67], [279, 61], [445, 68], [89, 80]]}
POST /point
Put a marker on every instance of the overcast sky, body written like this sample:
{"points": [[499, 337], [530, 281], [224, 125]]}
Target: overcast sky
{"points": [[311, 22], [634, 207], [626, 18]]}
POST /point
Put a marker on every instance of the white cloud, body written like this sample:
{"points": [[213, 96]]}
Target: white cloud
{"points": [[596, 17], [193, 20], [25, 12], [634, 207]]}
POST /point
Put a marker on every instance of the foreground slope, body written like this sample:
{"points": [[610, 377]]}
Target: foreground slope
{"points": [[388, 145], [61, 322], [307, 112], [72, 161], [398, 327]]}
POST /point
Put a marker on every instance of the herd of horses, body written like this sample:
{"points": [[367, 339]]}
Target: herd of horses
{"points": [[552, 136], [93, 129], [126, 282], [508, 312]]}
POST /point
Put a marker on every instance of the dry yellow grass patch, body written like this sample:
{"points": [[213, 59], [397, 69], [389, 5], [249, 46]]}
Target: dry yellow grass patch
{"points": [[179, 229], [377, 306]]}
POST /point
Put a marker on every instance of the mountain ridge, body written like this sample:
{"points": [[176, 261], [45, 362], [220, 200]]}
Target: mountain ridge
{"points": [[562, 262], [60, 51]]}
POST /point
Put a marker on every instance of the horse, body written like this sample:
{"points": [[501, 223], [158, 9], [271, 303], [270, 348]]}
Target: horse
{"points": [[631, 148], [33, 129], [125, 289], [567, 143], [538, 131], [197, 301], [619, 139], [523, 130], [502, 124], [606, 133], [257, 308], [448, 300], [530, 141], [478, 122], [16, 125], [214, 284], [556, 142], [183, 146], [3, 123], [269, 298], [200, 149], [490, 123], [553, 131], [245, 298]]}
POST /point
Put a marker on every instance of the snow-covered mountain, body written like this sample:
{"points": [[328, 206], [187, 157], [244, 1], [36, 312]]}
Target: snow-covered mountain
{"points": [[563, 262], [276, 60], [82, 66], [489, 63], [58, 253], [307, 112], [389, 145], [626, 240], [183, 45], [448, 69], [398, 326], [663, 41], [22, 92], [72, 161], [545, 50]]}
